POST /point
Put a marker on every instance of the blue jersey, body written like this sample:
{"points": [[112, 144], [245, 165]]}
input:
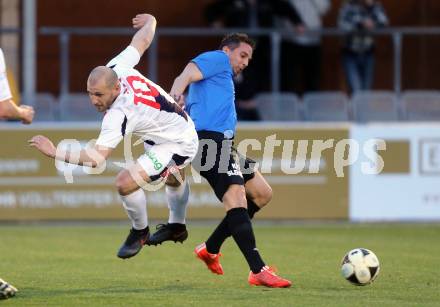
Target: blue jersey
{"points": [[210, 101]]}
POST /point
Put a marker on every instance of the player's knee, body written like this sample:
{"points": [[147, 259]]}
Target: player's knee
{"points": [[123, 183], [266, 196], [172, 181], [234, 197], [262, 197]]}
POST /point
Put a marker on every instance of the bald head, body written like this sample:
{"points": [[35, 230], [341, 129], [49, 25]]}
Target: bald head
{"points": [[103, 74], [103, 87]]}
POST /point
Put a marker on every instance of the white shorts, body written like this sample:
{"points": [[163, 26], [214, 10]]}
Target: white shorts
{"points": [[160, 159]]}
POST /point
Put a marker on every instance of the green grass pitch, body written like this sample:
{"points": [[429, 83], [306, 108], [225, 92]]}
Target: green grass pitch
{"points": [[76, 265]]}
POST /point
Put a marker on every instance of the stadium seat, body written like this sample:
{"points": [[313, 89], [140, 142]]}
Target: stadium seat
{"points": [[375, 106], [421, 105], [326, 106], [278, 107], [45, 106], [77, 107]]}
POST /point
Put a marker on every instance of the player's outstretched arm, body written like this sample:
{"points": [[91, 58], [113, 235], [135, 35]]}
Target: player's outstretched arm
{"points": [[143, 38], [190, 74], [92, 157], [9, 110]]}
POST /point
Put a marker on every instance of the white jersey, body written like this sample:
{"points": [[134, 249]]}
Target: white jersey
{"points": [[5, 91], [143, 109]]}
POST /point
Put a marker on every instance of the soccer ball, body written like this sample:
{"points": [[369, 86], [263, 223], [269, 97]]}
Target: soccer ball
{"points": [[360, 266]]}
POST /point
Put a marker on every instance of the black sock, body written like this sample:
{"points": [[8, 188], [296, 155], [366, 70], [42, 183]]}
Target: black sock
{"points": [[217, 237], [252, 208], [221, 233], [240, 227]]}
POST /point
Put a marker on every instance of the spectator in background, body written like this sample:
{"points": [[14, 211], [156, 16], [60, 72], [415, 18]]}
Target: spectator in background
{"points": [[301, 54], [359, 18], [8, 108], [251, 14]]}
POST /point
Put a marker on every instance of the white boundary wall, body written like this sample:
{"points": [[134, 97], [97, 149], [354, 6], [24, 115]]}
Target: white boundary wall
{"points": [[406, 196]]}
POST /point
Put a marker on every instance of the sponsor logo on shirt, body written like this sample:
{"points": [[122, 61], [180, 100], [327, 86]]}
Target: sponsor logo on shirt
{"points": [[153, 158]]}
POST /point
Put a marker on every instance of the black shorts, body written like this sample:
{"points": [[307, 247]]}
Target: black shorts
{"points": [[220, 164]]}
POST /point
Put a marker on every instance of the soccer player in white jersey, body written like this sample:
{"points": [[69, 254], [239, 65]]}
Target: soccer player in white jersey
{"points": [[8, 109], [135, 105]]}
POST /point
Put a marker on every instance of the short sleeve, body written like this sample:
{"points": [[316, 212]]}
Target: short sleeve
{"points": [[112, 129], [212, 63], [5, 91], [128, 58]]}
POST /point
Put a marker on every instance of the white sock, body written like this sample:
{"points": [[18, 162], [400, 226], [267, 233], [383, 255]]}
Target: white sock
{"points": [[135, 205], [177, 198]]}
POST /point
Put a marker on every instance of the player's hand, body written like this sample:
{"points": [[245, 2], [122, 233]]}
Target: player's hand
{"points": [[44, 145], [140, 20], [6, 290], [27, 114], [179, 99]]}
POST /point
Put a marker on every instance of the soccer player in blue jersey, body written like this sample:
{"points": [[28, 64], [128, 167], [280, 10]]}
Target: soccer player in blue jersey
{"points": [[210, 103]]}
